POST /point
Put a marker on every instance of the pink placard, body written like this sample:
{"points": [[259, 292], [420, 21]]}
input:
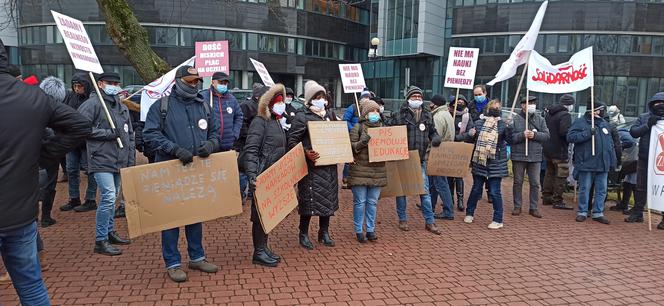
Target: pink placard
{"points": [[211, 57]]}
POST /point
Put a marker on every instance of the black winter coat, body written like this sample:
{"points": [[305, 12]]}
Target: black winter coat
{"points": [[420, 133], [558, 120], [496, 167], [249, 109], [73, 99], [318, 192], [25, 112], [641, 130]]}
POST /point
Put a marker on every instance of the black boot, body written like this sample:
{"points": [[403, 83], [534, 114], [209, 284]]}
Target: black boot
{"points": [[89, 205], [71, 204], [459, 193], [47, 221], [114, 238], [361, 238], [305, 242], [269, 252], [105, 248], [324, 238], [660, 226], [634, 218], [260, 256]]}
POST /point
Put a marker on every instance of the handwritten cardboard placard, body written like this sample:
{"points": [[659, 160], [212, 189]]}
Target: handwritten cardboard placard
{"points": [[275, 192], [332, 141], [404, 177], [450, 159], [167, 195], [211, 57], [461, 67], [352, 77], [388, 143]]}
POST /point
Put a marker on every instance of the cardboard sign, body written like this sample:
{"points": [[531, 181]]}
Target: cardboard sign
{"points": [[275, 192], [352, 77], [78, 43], [571, 76], [167, 195], [388, 143], [656, 168], [450, 159], [211, 57], [461, 67], [404, 177], [262, 72], [332, 141]]}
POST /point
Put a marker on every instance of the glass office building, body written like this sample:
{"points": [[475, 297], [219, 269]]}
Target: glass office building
{"points": [[627, 37], [297, 40]]}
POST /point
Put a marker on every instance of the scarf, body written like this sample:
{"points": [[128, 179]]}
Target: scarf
{"points": [[185, 91], [318, 111], [487, 141]]}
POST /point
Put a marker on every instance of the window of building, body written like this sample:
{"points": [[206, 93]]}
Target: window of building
{"points": [[624, 44], [252, 41], [551, 43], [291, 45], [606, 44], [166, 36], [563, 43], [300, 46], [642, 44], [658, 45]]}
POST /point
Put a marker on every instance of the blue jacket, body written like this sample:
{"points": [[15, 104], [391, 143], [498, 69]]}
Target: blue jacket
{"points": [[350, 116], [186, 126], [229, 116], [580, 135], [641, 130]]}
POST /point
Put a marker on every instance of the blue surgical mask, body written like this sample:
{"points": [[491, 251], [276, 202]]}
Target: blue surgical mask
{"points": [[112, 90], [373, 118], [480, 99], [222, 88]]}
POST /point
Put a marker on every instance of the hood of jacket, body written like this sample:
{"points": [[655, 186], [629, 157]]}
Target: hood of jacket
{"points": [[657, 97], [84, 79], [557, 109], [264, 102]]}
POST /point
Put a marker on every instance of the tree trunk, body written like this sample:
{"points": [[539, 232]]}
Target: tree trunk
{"points": [[132, 39]]}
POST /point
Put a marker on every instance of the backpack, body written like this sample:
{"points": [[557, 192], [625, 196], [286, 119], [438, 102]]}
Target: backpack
{"points": [[163, 109]]}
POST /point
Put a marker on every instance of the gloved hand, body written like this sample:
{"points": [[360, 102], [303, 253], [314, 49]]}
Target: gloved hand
{"points": [[364, 139], [592, 130], [436, 141], [183, 155], [205, 149], [113, 134], [653, 120], [140, 146], [312, 155]]}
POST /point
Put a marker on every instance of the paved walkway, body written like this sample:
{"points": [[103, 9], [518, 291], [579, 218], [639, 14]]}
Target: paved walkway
{"points": [[553, 260]]}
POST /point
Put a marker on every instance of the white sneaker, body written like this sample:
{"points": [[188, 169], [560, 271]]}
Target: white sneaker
{"points": [[468, 219], [495, 225]]}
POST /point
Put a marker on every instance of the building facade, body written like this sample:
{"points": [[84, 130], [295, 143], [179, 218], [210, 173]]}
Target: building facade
{"points": [[297, 40], [627, 39]]}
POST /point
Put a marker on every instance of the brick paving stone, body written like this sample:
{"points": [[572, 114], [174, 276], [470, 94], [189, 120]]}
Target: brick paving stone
{"points": [[548, 261]]}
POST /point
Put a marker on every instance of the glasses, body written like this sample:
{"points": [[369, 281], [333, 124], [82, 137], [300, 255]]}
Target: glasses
{"points": [[193, 82], [416, 96]]}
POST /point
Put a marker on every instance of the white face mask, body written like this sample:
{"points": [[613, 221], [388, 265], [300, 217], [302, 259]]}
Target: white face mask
{"points": [[279, 108], [414, 103], [289, 100], [319, 103], [532, 108], [382, 109], [570, 108]]}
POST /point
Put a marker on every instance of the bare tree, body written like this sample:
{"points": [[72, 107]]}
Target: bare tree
{"points": [[10, 8]]}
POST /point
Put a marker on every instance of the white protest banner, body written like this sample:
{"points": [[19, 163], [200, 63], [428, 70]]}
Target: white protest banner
{"points": [[461, 67], [262, 71], [211, 57], [352, 77], [160, 87], [78, 43], [656, 168], [571, 76]]}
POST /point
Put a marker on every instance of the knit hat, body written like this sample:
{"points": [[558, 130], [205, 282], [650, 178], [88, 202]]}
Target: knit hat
{"points": [[567, 100], [438, 100], [31, 80], [412, 89], [289, 91], [276, 99], [530, 99], [311, 88], [54, 87], [598, 105], [367, 106], [257, 90], [461, 97], [365, 93]]}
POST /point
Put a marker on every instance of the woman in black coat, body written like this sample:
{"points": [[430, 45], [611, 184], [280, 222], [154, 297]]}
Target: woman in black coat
{"points": [[265, 145], [318, 192]]}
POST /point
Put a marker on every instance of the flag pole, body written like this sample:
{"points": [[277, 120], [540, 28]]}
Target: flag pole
{"points": [[527, 102], [649, 218], [103, 104], [518, 89], [592, 115], [357, 105], [456, 100]]}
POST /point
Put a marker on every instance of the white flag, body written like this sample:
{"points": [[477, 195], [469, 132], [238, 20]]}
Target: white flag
{"points": [[656, 168], [571, 76], [521, 52], [159, 88]]}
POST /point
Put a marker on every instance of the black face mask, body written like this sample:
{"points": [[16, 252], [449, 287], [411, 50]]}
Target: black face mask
{"points": [[461, 108], [658, 109], [494, 112]]}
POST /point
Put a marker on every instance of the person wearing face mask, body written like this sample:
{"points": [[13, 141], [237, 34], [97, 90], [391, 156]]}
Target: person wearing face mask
{"points": [[186, 128], [318, 191], [226, 109], [438, 185], [537, 133], [365, 178], [461, 123], [589, 168], [556, 152], [641, 129], [109, 158], [291, 105], [266, 144], [478, 103], [421, 132], [77, 158], [489, 163], [615, 117]]}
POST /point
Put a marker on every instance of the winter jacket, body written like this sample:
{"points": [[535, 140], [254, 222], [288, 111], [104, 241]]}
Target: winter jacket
{"points": [[496, 167], [475, 113], [641, 130], [581, 136], [558, 121], [187, 125], [104, 154], [420, 133], [266, 139], [350, 116], [536, 124], [444, 123], [318, 192], [25, 112], [229, 115], [362, 172], [249, 109], [462, 119], [617, 144], [75, 100], [290, 112]]}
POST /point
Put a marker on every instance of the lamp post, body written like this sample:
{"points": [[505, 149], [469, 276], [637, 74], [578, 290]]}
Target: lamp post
{"points": [[373, 55]]}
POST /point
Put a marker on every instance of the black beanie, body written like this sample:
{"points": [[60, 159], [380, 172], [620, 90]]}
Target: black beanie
{"points": [[567, 100], [438, 100]]}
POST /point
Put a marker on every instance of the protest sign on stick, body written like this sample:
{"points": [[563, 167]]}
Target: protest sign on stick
{"points": [[211, 57], [461, 68], [262, 72], [388, 143], [353, 82], [656, 170], [331, 140], [451, 159]]}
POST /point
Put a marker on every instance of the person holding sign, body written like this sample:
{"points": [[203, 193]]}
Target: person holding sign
{"points": [[461, 123], [365, 178], [527, 148], [180, 126], [318, 192], [421, 133], [489, 164], [266, 144], [226, 109], [438, 185], [106, 158], [589, 167]]}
